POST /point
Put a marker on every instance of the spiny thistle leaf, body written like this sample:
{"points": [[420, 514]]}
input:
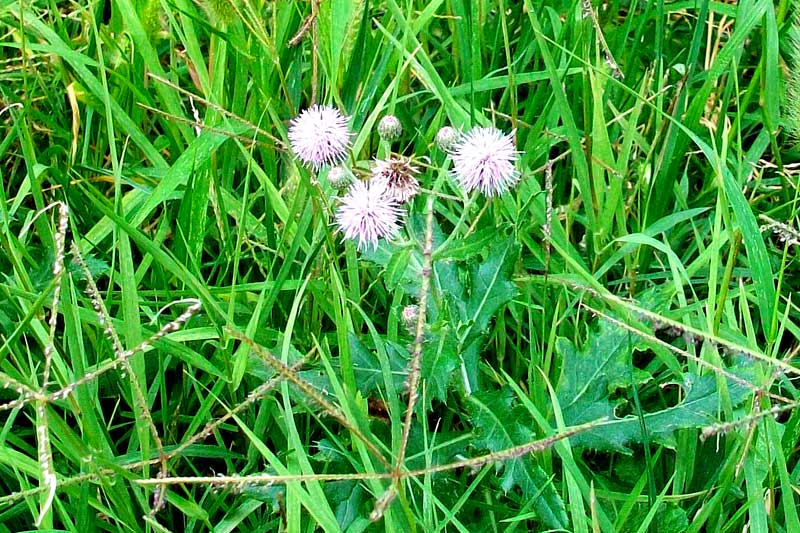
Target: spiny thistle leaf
{"points": [[439, 361], [491, 287], [367, 365], [591, 375], [500, 425]]}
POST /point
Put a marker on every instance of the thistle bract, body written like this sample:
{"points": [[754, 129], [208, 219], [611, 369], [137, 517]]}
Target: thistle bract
{"points": [[398, 174], [389, 128]]}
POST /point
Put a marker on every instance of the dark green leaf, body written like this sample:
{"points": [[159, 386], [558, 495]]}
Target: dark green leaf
{"points": [[491, 287], [590, 376], [439, 361], [346, 497], [367, 366], [498, 426]]}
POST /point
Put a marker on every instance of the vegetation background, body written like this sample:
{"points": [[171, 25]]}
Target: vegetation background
{"points": [[187, 345]]}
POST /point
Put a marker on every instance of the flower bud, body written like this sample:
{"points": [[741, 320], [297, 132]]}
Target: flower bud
{"points": [[339, 178], [389, 128], [446, 138], [409, 317]]}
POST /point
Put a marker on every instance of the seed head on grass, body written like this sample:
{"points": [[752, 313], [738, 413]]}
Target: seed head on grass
{"points": [[319, 136], [398, 175], [368, 213], [484, 159]]}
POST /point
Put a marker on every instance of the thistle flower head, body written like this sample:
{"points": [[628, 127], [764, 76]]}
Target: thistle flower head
{"points": [[446, 138], [339, 178], [368, 213], [398, 175], [389, 128], [484, 159], [319, 136]]}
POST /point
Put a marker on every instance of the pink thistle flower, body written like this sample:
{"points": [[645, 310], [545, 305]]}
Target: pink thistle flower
{"points": [[398, 174], [368, 213], [484, 159], [319, 136]]}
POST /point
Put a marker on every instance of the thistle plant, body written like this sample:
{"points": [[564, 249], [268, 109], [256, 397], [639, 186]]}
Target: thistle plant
{"points": [[320, 137], [272, 305]]}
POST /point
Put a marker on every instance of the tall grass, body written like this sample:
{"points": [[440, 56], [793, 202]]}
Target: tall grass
{"points": [[187, 343]]}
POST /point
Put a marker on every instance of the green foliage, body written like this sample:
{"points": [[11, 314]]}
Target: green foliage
{"points": [[791, 104], [212, 355], [499, 424], [604, 367]]}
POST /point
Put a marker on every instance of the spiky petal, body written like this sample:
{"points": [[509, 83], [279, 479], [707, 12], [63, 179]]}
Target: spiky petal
{"points": [[368, 213], [319, 136], [484, 159]]}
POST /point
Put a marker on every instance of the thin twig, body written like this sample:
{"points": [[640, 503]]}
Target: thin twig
{"points": [[416, 356], [473, 462], [43, 448], [304, 27], [729, 426]]}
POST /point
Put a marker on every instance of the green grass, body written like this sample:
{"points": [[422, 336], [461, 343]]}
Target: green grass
{"points": [[187, 344]]}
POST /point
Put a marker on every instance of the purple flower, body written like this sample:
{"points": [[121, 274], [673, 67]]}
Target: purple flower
{"points": [[484, 159], [319, 136], [368, 213]]}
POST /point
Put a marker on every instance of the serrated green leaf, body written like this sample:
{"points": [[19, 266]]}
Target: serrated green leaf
{"points": [[439, 361], [449, 287], [491, 288], [500, 425], [590, 376], [367, 366], [700, 408]]}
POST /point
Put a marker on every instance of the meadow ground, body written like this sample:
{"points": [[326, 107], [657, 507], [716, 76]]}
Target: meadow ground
{"points": [[235, 296]]}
